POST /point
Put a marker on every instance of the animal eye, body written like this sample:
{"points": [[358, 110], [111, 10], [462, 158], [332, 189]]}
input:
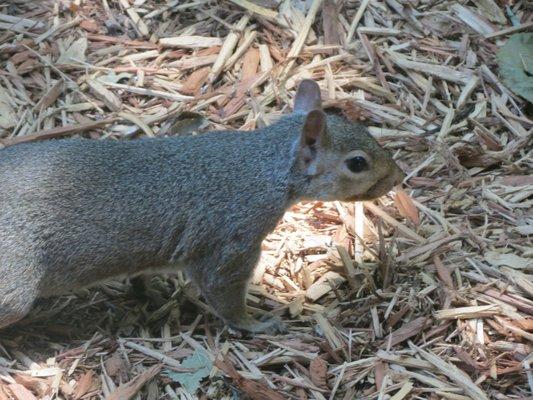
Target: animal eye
{"points": [[357, 164]]}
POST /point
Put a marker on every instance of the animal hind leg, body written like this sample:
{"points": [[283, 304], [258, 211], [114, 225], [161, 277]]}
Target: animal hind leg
{"points": [[17, 295]]}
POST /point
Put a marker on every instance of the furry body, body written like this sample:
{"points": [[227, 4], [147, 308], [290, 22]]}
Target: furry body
{"points": [[76, 212]]}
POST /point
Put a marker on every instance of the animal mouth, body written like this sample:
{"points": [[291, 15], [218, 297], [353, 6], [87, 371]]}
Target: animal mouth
{"points": [[377, 190], [368, 195], [381, 187]]}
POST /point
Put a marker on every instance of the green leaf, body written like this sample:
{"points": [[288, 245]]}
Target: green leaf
{"points": [[200, 365], [515, 59]]}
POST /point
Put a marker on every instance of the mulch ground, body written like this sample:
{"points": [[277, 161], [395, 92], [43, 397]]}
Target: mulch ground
{"points": [[426, 293]]}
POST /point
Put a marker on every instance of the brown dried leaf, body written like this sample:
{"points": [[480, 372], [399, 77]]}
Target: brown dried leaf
{"points": [[318, 370], [351, 111], [405, 332], [51, 96], [330, 23], [83, 385], [406, 207], [526, 324], [256, 390], [38, 386], [443, 272], [195, 81], [250, 63], [130, 389], [57, 132], [89, 25], [488, 139], [208, 51], [116, 366], [466, 358], [380, 370], [19, 392]]}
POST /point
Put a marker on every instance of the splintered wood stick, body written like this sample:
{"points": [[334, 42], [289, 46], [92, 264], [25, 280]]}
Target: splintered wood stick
{"points": [[451, 371], [190, 42], [507, 31], [227, 48], [134, 16], [150, 92], [57, 29], [249, 39], [299, 42], [401, 227], [355, 21], [359, 223], [256, 9], [24, 23], [58, 132], [469, 312]]}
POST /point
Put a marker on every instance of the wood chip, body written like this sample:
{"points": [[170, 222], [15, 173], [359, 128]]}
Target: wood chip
{"points": [[190, 42]]}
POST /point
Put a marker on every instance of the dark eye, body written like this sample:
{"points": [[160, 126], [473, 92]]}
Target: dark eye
{"points": [[357, 164]]}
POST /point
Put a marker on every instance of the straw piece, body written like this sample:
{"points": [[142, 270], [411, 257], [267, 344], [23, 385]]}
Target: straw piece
{"points": [[406, 388], [324, 285], [408, 232], [248, 40], [154, 354]]}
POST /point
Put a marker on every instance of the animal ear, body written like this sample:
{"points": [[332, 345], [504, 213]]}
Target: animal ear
{"points": [[313, 136], [307, 97], [314, 130]]}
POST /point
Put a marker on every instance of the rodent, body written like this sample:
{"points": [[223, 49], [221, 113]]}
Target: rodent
{"points": [[76, 212]]}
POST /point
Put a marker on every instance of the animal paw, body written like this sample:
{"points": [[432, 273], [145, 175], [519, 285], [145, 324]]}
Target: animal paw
{"points": [[267, 324]]}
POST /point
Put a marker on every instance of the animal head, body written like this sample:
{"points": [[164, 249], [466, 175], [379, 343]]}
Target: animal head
{"points": [[340, 159]]}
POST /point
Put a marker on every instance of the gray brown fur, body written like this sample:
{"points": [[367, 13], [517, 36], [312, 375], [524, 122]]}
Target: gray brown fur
{"points": [[77, 212]]}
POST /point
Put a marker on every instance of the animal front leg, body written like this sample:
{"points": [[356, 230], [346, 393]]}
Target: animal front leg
{"points": [[229, 302], [223, 281]]}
